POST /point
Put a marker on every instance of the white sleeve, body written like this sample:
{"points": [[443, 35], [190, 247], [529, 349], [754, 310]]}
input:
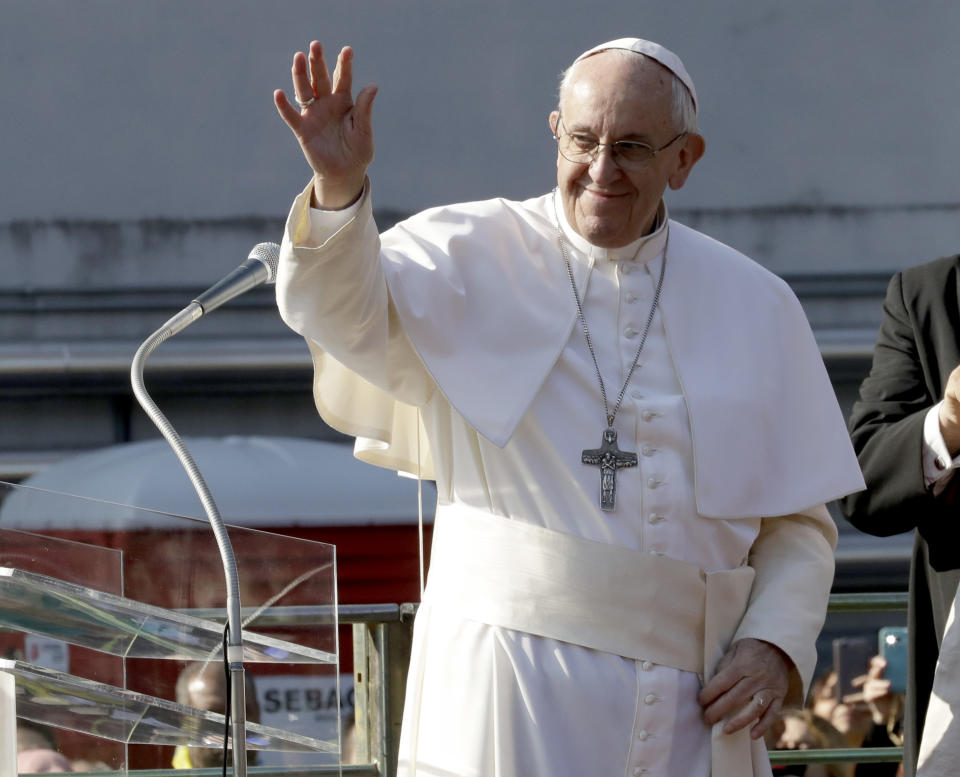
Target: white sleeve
{"points": [[324, 224], [938, 466], [331, 289], [793, 560]]}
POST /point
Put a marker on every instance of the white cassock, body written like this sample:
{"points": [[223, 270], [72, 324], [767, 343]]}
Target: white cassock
{"points": [[940, 744], [554, 638]]}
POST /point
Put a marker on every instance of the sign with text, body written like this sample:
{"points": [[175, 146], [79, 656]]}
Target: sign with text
{"points": [[306, 705], [46, 652]]}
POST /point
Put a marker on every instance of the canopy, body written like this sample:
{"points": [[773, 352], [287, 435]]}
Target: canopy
{"points": [[256, 481]]}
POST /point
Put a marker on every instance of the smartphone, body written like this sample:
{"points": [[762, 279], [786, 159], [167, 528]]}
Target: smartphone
{"points": [[892, 646], [851, 659]]}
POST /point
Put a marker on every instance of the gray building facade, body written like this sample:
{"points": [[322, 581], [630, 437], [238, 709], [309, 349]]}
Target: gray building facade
{"points": [[142, 158]]}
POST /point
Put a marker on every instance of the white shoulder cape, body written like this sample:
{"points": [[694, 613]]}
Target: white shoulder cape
{"points": [[483, 295]]}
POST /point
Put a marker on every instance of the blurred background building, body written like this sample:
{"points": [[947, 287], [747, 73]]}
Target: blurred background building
{"points": [[142, 158]]}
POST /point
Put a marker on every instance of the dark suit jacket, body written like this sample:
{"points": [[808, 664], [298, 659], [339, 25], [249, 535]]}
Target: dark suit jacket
{"points": [[917, 347]]}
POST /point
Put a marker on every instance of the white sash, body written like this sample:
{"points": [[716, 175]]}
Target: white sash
{"points": [[515, 575]]}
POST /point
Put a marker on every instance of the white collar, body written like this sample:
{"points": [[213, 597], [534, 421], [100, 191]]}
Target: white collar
{"points": [[642, 250]]}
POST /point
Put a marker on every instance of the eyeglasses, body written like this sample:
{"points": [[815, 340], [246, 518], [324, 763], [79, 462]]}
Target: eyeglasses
{"points": [[582, 148]]}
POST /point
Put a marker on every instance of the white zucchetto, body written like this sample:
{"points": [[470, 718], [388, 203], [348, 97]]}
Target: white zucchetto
{"points": [[649, 49]]}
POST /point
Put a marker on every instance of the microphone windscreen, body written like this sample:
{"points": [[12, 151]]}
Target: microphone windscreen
{"points": [[269, 254]]}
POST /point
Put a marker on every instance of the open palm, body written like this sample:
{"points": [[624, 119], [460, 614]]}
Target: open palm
{"points": [[334, 130]]}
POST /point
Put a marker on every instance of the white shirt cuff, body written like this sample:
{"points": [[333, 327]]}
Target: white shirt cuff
{"points": [[325, 223], [937, 464]]}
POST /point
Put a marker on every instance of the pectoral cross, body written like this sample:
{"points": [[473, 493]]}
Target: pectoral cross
{"points": [[609, 458]]}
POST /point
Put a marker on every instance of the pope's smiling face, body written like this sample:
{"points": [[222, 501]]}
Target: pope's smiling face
{"points": [[613, 97]]}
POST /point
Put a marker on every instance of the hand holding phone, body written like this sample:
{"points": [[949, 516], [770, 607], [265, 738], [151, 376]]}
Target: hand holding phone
{"points": [[892, 647], [851, 661]]}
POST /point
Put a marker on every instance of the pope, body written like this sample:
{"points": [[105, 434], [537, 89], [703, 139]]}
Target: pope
{"points": [[641, 608]]}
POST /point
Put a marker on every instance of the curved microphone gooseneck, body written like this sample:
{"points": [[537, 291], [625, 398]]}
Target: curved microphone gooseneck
{"points": [[260, 267]]}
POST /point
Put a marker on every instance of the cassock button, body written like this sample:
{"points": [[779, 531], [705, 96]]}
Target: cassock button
{"points": [[639, 771], [646, 666], [626, 268], [643, 735], [654, 482], [631, 298], [637, 393], [630, 332], [650, 698], [649, 450], [649, 415], [655, 518]]}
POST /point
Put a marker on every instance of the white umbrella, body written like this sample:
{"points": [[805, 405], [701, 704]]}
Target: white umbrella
{"points": [[255, 481]]}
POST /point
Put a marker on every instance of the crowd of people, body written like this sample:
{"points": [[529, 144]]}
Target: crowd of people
{"points": [[870, 716]]}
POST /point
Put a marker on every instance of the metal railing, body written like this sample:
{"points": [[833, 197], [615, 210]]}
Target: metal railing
{"points": [[381, 651], [847, 603]]}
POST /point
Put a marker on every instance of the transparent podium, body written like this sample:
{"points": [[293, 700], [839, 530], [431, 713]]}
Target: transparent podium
{"points": [[112, 635]]}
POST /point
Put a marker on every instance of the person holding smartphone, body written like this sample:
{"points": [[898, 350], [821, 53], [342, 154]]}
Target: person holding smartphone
{"points": [[906, 431]]}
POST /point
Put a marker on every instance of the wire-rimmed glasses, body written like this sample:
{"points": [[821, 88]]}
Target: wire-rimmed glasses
{"points": [[582, 148]]}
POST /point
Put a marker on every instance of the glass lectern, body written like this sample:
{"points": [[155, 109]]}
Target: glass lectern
{"points": [[104, 606]]}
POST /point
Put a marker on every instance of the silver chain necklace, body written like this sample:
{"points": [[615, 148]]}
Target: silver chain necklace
{"points": [[608, 456]]}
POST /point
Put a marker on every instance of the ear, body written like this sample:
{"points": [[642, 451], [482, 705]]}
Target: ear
{"points": [[552, 120], [693, 148]]}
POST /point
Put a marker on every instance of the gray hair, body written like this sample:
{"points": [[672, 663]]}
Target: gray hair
{"points": [[684, 115]]}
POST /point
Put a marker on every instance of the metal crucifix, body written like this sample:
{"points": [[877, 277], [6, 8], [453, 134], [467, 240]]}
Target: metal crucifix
{"points": [[609, 458]]}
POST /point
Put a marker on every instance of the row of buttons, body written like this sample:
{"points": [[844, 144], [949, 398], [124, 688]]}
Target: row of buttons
{"points": [[653, 482], [631, 332], [644, 734]]}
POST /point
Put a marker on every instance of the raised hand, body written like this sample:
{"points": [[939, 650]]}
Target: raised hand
{"points": [[876, 690], [334, 131], [950, 413]]}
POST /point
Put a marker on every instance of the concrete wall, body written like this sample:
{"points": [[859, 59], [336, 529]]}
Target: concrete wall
{"points": [[141, 157], [139, 142]]}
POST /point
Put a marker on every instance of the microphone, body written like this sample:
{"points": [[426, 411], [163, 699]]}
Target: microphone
{"points": [[260, 267]]}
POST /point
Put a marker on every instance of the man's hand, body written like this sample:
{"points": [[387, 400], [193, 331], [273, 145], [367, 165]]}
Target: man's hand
{"points": [[750, 684], [950, 413], [876, 691], [335, 133]]}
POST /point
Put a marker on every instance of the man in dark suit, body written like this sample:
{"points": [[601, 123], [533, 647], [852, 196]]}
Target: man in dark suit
{"points": [[906, 431]]}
